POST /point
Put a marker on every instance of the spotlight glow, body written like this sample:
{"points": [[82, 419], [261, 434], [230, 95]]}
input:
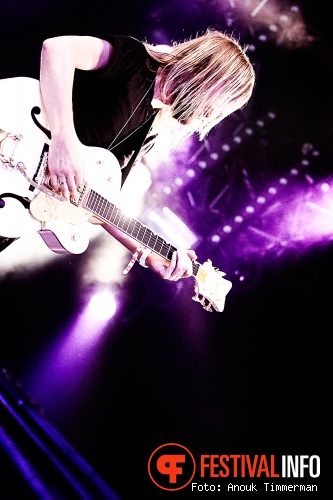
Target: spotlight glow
{"points": [[190, 172], [103, 305]]}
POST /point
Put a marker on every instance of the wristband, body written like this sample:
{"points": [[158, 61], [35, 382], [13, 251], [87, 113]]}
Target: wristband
{"points": [[133, 260], [143, 257]]}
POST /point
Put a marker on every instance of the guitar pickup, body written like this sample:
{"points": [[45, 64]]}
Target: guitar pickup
{"points": [[41, 169], [77, 200]]}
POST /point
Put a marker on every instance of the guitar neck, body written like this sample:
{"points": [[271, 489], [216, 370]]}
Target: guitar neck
{"points": [[113, 215]]}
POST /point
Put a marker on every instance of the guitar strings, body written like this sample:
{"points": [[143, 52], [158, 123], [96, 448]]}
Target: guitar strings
{"points": [[112, 145]]}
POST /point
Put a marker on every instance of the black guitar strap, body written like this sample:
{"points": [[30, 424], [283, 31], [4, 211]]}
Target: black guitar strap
{"points": [[143, 130]]}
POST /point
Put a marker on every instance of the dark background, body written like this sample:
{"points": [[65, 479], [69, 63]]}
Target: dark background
{"points": [[255, 378]]}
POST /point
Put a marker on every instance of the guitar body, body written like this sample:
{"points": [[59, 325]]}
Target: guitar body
{"points": [[69, 222], [27, 203], [24, 139]]}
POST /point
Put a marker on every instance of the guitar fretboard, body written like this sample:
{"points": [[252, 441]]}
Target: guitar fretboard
{"points": [[113, 215]]}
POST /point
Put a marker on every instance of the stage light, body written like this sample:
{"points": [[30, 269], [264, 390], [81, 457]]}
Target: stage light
{"points": [[191, 198], [258, 8], [240, 276], [273, 28], [262, 38], [325, 187], [169, 226], [179, 181], [309, 179], [190, 173], [102, 305], [61, 375]]}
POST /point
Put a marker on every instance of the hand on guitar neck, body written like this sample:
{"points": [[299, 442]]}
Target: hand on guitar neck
{"points": [[180, 265]]}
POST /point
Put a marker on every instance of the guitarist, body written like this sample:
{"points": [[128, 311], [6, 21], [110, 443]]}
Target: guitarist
{"points": [[116, 92]]}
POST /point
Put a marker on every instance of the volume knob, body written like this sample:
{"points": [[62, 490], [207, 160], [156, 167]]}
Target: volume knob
{"points": [[76, 237]]}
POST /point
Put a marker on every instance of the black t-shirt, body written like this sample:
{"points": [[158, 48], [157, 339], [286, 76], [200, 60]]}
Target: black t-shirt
{"points": [[110, 105]]}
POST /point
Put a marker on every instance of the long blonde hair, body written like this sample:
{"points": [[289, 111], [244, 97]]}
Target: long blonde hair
{"points": [[204, 79]]}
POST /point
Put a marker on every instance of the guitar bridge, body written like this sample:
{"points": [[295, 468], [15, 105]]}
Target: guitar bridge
{"points": [[8, 143]]}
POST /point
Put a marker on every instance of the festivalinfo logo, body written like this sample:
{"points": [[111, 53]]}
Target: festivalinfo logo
{"points": [[172, 467]]}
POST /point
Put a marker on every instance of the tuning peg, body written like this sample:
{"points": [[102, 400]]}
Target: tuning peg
{"points": [[208, 307], [196, 298], [219, 272]]}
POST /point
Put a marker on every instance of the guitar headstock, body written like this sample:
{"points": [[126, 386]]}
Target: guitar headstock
{"points": [[210, 285]]}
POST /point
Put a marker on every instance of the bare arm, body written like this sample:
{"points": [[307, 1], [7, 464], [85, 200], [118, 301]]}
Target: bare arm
{"points": [[60, 56]]}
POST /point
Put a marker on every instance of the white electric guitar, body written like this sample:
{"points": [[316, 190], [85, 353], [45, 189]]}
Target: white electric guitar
{"points": [[28, 203]]}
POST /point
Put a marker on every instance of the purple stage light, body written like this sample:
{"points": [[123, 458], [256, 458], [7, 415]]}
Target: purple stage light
{"points": [[102, 305]]}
